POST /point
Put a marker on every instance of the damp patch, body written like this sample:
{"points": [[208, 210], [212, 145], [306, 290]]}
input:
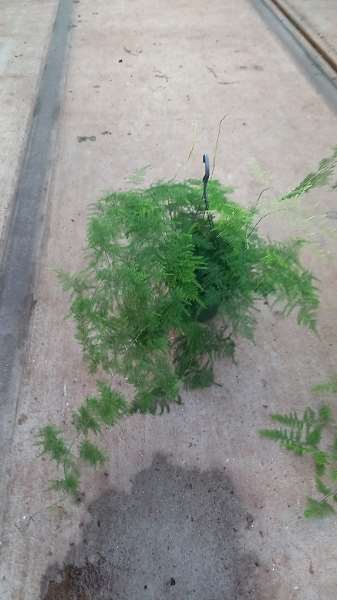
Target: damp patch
{"points": [[177, 535]]}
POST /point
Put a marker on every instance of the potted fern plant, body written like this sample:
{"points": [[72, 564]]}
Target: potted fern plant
{"points": [[174, 274]]}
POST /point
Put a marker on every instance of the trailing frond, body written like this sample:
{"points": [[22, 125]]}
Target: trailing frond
{"points": [[318, 178], [290, 420], [69, 484], [303, 435], [156, 387], [91, 453], [322, 488], [325, 415], [108, 406], [50, 440], [288, 439], [321, 460], [84, 420], [318, 509]]}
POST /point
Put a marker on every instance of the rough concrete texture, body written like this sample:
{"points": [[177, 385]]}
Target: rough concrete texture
{"points": [[147, 86], [177, 534], [25, 29], [320, 18]]}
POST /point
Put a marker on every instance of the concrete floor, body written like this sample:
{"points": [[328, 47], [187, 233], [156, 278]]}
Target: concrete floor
{"points": [[25, 29], [192, 504], [320, 17]]}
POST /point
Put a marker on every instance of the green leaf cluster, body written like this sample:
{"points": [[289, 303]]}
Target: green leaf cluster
{"points": [[303, 435], [319, 178], [327, 387], [104, 409], [169, 285], [171, 280]]}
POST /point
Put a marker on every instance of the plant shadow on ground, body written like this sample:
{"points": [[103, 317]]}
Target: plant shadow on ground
{"points": [[176, 535]]}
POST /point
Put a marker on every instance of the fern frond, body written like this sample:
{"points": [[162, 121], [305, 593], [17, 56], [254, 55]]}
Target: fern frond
{"points": [[109, 406], [84, 421], [325, 415], [318, 178], [51, 442], [322, 488], [274, 434], [290, 420], [288, 439], [316, 509], [321, 460], [313, 437], [329, 387], [91, 453], [69, 484]]}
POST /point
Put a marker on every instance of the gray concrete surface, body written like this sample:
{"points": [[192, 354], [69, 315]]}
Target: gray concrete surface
{"points": [[24, 36], [318, 68], [178, 538], [21, 247], [320, 17], [193, 503]]}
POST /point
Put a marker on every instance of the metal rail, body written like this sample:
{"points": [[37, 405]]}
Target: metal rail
{"points": [[307, 36]]}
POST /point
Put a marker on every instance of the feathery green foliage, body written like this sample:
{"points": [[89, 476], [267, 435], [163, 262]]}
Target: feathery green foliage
{"points": [[108, 407], [170, 282], [319, 178], [318, 509], [84, 421], [303, 435], [51, 442], [90, 453], [169, 285], [104, 409], [69, 483]]}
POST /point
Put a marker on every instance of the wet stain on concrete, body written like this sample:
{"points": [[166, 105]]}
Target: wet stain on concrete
{"points": [[177, 535]]}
